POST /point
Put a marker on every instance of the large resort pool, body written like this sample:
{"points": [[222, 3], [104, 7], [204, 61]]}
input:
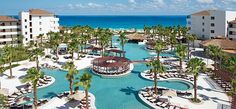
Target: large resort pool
{"points": [[116, 93]]}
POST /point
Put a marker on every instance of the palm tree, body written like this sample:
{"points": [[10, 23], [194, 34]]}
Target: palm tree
{"points": [[40, 36], [33, 76], [159, 46], [85, 82], [215, 52], [8, 56], [104, 38], [194, 66], [190, 38], [70, 76], [73, 47], [55, 39], [123, 40], [181, 51], [172, 39], [34, 55], [156, 67]]}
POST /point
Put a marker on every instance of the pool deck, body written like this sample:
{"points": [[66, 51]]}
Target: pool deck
{"points": [[210, 98]]}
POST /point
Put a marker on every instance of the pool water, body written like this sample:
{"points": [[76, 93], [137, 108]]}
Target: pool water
{"points": [[116, 93]]}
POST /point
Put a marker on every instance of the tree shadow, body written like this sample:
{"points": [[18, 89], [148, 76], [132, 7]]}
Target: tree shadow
{"points": [[130, 90]]}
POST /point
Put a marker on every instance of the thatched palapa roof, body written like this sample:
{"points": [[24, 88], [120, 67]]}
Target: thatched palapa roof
{"points": [[136, 36], [227, 45]]}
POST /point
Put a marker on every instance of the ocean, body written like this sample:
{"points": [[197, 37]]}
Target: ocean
{"points": [[122, 22]]}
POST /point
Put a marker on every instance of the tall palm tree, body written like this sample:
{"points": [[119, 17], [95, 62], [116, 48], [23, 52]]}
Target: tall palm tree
{"points": [[172, 39], [190, 38], [8, 56], [34, 55], [85, 82], [159, 46], [70, 76], [156, 67], [123, 40], [104, 39], [40, 36], [55, 39], [33, 76], [181, 51], [194, 66], [215, 52], [73, 47]]}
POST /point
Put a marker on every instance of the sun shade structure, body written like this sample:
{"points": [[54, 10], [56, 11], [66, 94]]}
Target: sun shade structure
{"points": [[136, 37], [227, 45], [111, 65]]}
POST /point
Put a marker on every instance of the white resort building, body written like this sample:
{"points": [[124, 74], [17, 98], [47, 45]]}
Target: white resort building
{"points": [[30, 24], [208, 24], [9, 30]]}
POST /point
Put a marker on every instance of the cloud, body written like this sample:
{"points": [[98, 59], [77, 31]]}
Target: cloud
{"points": [[205, 1], [132, 1]]}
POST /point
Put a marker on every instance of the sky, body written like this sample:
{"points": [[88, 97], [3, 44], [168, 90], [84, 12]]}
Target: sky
{"points": [[115, 7]]}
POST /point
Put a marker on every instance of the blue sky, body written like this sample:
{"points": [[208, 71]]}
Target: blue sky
{"points": [[116, 7]]}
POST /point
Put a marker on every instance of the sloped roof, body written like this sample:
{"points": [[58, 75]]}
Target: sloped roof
{"points": [[39, 12], [8, 19], [136, 36], [201, 13], [226, 44]]}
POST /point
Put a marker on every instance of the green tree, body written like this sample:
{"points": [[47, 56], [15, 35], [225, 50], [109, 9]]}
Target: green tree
{"points": [[159, 46], [156, 67], [190, 38], [194, 66], [3, 101], [215, 52], [55, 39], [33, 76], [85, 82], [123, 40], [70, 76], [8, 56], [35, 53], [181, 51]]}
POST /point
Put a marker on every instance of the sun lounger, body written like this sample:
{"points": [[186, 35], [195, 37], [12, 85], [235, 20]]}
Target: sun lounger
{"points": [[171, 107], [159, 103], [165, 104]]}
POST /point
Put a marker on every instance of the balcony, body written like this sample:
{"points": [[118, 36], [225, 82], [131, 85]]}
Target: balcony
{"points": [[232, 29], [9, 33], [9, 27]]}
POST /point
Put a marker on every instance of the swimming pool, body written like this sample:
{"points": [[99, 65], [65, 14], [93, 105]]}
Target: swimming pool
{"points": [[116, 93]]}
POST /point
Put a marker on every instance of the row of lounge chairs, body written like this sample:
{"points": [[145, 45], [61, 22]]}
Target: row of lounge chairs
{"points": [[117, 73], [158, 101], [83, 103], [176, 75], [226, 86], [61, 95], [49, 66], [28, 106]]}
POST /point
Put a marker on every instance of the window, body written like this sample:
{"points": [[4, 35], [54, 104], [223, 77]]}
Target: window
{"points": [[26, 33], [31, 30], [203, 30], [203, 23], [25, 26], [31, 36], [4, 42], [40, 29], [212, 31], [212, 24], [203, 36], [30, 23], [40, 23], [25, 20], [40, 17], [212, 18], [30, 17], [203, 17], [26, 39], [4, 36]]}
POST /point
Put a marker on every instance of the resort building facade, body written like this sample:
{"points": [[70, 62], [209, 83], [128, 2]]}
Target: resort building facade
{"points": [[35, 22], [9, 30], [209, 24], [30, 24]]}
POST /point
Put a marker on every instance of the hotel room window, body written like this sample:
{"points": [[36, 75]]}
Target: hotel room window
{"points": [[25, 20], [203, 30], [25, 26], [203, 23], [212, 31], [25, 33], [212, 24], [31, 36], [30, 17], [203, 17], [212, 18], [40, 23], [40, 29], [40, 17]]}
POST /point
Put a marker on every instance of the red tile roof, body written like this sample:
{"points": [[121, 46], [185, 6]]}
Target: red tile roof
{"points": [[7, 19], [39, 12]]}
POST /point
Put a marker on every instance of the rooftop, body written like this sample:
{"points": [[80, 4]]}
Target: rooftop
{"points": [[202, 13], [7, 19], [40, 12]]}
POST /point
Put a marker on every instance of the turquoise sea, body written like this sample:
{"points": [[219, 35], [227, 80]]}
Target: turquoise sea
{"points": [[122, 22]]}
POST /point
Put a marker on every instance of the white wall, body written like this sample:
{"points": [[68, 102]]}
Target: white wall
{"points": [[24, 17]]}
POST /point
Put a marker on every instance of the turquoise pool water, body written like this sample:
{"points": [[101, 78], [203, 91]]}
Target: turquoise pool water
{"points": [[118, 93]]}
